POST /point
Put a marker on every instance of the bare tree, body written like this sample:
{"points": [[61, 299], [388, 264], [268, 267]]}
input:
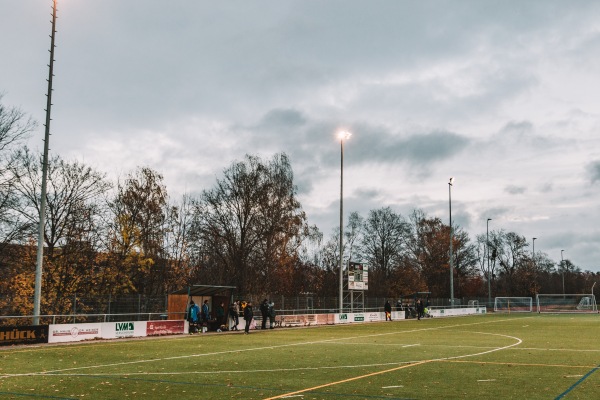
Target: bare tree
{"points": [[71, 238], [138, 228], [383, 244], [15, 126], [251, 223]]}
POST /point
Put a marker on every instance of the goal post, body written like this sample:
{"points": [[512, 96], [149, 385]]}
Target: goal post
{"points": [[566, 303], [513, 304]]}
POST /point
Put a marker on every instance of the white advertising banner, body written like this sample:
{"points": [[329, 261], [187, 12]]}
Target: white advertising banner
{"points": [[453, 312], [375, 316], [74, 332], [114, 330], [348, 318]]}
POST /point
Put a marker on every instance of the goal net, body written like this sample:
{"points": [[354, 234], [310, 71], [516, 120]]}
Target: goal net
{"points": [[513, 304], [566, 303]]}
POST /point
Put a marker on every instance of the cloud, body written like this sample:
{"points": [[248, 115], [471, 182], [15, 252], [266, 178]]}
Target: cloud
{"points": [[593, 171], [513, 189], [282, 118]]}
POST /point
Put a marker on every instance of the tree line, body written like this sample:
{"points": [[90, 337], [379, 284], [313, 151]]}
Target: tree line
{"points": [[248, 230]]}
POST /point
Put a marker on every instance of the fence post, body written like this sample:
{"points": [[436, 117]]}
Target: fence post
{"points": [[74, 307]]}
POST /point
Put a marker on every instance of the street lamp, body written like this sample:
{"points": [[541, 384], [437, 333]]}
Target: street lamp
{"points": [[343, 135], [451, 261], [37, 294], [487, 252], [562, 267]]}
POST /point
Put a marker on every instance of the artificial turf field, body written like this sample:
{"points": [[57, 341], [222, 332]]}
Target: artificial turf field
{"points": [[526, 356]]}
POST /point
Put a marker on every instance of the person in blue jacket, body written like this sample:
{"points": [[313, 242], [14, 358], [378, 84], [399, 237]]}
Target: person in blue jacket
{"points": [[205, 316], [193, 314]]}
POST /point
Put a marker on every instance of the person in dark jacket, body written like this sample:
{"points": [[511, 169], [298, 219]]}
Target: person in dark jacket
{"points": [[388, 310], [420, 309], [264, 312], [272, 315], [248, 315], [221, 320]]}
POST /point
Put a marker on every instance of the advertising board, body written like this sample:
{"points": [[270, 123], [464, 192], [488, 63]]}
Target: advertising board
{"points": [[156, 328], [74, 332], [10, 335], [114, 330]]}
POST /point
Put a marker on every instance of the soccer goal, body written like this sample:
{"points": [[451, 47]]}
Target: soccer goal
{"points": [[513, 304], [566, 303]]}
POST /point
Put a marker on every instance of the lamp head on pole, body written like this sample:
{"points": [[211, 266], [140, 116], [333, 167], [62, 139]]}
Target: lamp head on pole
{"points": [[344, 135], [451, 180]]}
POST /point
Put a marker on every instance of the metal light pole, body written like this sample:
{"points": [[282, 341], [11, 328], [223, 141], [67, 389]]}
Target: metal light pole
{"points": [[342, 136], [40, 248], [451, 261], [533, 252], [487, 252], [562, 267]]}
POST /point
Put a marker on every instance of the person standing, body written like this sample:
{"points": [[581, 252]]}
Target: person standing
{"points": [[388, 310], [234, 313], [193, 313], [205, 316], [420, 309], [248, 315], [272, 315], [264, 312], [221, 316]]}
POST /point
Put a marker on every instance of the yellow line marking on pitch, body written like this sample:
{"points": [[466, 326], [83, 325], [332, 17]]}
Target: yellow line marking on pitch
{"points": [[347, 380], [159, 359], [518, 342]]}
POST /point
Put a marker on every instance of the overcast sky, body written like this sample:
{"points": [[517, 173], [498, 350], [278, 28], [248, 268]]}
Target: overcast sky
{"points": [[502, 96]]}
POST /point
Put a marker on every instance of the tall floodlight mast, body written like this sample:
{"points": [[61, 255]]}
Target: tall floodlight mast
{"points": [[40, 249], [451, 260], [343, 135]]}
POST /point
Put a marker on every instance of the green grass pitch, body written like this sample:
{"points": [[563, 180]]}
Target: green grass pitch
{"points": [[526, 356]]}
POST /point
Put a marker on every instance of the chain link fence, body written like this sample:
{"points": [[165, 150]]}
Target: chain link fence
{"points": [[145, 308]]}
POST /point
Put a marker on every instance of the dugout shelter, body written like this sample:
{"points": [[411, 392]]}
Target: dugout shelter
{"points": [[178, 301], [407, 303]]}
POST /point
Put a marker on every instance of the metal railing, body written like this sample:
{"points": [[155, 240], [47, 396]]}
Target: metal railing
{"points": [[142, 308]]}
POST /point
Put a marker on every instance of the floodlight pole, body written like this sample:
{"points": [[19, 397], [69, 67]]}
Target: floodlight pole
{"points": [[562, 267], [451, 261], [40, 248], [341, 294], [487, 255]]}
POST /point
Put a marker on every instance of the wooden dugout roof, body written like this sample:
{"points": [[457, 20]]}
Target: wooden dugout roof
{"points": [[206, 290]]}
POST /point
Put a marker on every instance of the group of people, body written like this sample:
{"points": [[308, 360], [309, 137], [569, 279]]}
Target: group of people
{"points": [[199, 318], [418, 311], [247, 313]]}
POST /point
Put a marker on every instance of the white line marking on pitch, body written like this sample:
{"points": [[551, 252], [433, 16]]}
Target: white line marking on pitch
{"points": [[392, 387], [486, 380], [273, 347]]}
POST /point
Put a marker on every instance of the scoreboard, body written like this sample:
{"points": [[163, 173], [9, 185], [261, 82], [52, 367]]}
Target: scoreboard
{"points": [[358, 276]]}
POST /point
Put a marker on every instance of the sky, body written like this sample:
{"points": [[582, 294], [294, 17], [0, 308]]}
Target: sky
{"points": [[501, 96]]}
